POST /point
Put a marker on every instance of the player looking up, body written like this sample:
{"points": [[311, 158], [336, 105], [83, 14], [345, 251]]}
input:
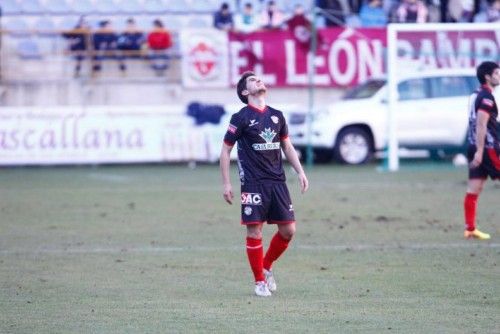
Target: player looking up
{"points": [[261, 133], [484, 146]]}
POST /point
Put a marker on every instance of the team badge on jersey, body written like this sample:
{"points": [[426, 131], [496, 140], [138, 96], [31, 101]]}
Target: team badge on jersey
{"points": [[275, 119], [252, 123]]}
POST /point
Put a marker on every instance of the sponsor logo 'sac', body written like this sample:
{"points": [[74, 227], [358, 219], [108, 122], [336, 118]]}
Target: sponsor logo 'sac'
{"points": [[251, 198]]}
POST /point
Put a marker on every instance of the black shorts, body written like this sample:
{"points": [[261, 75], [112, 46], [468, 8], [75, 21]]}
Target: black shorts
{"points": [[489, 167], [266, 202]]}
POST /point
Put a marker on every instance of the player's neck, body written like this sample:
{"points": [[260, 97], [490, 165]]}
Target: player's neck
{"points": [[257, 101]]}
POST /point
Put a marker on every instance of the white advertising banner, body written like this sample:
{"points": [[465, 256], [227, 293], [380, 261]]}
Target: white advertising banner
{"points": [[205, 58], [74, 135]]}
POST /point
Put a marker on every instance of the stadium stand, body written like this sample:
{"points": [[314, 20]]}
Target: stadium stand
{"points": [[58, 7], [11, 7], [32, 7]]}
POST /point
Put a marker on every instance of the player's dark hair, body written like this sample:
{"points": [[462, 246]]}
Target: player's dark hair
{"points": [[242, 85], [484, 69]]}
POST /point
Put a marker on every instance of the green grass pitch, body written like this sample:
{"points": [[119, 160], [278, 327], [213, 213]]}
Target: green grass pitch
{"points": [[155, 249]]}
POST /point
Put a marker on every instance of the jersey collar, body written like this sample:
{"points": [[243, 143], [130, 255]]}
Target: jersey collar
{"points": [[257, 109], [487, 88]]}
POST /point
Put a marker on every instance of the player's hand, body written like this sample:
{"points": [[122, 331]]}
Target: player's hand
{"points": [[228, 193], [478, 159], [304, 183]]}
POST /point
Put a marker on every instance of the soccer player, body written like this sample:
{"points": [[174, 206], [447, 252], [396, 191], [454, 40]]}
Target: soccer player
{"points": [[261, 133], [484, 146]]}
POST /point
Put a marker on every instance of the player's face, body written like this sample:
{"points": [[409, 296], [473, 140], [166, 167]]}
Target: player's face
{"points": [[255, 85], [495, 77]]}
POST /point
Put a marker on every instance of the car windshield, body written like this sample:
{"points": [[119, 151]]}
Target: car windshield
{"points": [[363, 91]]}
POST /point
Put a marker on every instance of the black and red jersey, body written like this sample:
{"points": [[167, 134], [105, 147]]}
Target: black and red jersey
{"points": [[259, 134], [482, 100]]}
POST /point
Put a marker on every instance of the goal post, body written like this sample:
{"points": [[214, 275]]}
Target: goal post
{"points": [[419, 48]]}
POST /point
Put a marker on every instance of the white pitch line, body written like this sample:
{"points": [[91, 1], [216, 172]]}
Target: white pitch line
{"points": [[358, 247]]}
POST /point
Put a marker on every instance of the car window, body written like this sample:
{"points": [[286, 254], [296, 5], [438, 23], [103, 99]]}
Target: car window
{"points": [[450, 86], [413, 89], [363, 91]]}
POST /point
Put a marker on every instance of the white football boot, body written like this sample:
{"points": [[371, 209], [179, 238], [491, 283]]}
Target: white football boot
{"points": [[271, 283], [261, 289]]}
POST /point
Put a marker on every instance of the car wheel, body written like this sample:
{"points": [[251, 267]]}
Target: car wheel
{"points": [[354, 146]]}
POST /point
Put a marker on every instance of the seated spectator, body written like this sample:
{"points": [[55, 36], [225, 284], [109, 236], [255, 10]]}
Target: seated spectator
{"points": [[271, 17], [372, 14], [159, 41], [246, 22], [460, 10], [223, 19], [104, 41], [78, 39], [332, 12], [412, 11], [130, 43], [493, 11]]}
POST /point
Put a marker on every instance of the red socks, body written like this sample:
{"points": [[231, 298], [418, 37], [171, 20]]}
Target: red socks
{"points": [[470, 203], [255, 257], [277, 246]]}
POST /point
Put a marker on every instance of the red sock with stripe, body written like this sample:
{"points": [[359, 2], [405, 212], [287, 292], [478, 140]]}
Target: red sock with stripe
{"points": [[255, 257], [277, 246], [470, 204]]}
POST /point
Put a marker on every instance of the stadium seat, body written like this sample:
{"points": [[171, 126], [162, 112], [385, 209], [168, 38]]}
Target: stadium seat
{"points": [[177, 6], [207, 7], [10, 7], [28, 49], [155, 7], [58, 7], [130, 7], [106, 7], [173, 23], [32, 7], [45, 26], [16, 27], [198, 22], [67, 23], [82, 7]]}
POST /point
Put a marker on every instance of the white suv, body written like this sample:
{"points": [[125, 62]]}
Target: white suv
{"points": [[432, 114]]}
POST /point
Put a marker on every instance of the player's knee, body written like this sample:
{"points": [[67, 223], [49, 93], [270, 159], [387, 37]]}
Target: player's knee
{"points": [[288, 232]]}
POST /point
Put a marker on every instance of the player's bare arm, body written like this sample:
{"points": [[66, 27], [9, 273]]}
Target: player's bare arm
{"points": [[482, 123], [291, 156], [224, 168]]}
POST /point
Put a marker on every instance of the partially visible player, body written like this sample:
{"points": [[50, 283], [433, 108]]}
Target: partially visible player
{"points": [[261, 133], [483, 151]]}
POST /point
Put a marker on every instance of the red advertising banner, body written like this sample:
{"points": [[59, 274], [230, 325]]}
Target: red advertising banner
{"points": [[344, 57], [449, 49]]}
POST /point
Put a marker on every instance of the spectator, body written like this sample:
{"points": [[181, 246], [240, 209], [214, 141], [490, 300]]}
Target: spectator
{"points": [[223, 19], [246, 22], [460, 10], [271, 17], [300, 27], [493, 11], [159, 41], [130, 42], [104, 41], [78, 39], [412, 11], [332, 11], [372, 14]]}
